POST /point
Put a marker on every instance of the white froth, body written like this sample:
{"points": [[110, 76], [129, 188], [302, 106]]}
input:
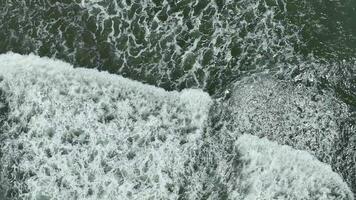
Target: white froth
{"points": [[292, 114], [272, 171], [83, 134]]}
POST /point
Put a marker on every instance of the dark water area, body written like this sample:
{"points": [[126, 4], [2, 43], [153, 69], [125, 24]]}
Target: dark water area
{"points": [[185, 44]]}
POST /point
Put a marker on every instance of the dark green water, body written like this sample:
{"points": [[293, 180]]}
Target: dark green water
{"points": [[194, 44], [181, 44]]}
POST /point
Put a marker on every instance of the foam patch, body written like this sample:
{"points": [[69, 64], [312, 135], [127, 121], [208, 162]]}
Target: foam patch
{"points": [[302, 117], [272, 171], [83, 134]]}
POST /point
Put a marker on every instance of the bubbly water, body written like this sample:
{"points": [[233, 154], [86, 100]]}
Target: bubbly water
{"points": [[220, 71], [82, 134]]}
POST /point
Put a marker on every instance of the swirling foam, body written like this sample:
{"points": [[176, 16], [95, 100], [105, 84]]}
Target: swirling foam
{"points": [[303, 117]]}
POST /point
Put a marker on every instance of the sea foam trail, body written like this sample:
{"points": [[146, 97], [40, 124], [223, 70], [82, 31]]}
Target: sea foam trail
{"points": [[82, 134]]}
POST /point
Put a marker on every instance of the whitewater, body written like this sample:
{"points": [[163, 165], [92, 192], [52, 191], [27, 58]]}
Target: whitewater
{"points": [[177, 99], [83, 134]]}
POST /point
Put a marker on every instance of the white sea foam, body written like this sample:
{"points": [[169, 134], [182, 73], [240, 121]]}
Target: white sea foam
{"points": [[83, 134], [272, 171], [293, 114]]}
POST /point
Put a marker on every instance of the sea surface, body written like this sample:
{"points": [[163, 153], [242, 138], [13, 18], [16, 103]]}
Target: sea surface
{"points": [[260, 61], [191, 44]]}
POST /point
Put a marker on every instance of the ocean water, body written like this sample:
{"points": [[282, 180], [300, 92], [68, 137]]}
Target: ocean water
{"points": [[189, 44], [82, 134], [209, 71]]}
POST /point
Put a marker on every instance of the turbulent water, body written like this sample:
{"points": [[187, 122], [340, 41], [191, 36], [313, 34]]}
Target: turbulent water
{"points": [[280, 69], [81, 134], [184, 44]]}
